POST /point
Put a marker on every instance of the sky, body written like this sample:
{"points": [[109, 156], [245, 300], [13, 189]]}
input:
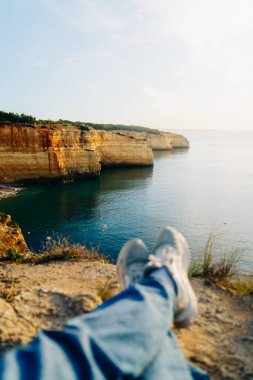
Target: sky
{"points": [[167, 64]]}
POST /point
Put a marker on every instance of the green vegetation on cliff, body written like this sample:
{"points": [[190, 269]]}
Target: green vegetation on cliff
{"points": [[113, 127], [10, 117]]}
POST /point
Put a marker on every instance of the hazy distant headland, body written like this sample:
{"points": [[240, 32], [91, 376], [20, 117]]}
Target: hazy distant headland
{"points": [[34, 150]]}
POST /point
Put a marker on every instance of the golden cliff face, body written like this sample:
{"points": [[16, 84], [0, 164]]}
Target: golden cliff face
{"points": [[124, 148], [53, 153], [159, 142], [167, 141], [177, 141], [30, 154]]}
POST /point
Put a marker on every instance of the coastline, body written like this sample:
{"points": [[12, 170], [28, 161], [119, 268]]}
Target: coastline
{"points": [[59, 153]]}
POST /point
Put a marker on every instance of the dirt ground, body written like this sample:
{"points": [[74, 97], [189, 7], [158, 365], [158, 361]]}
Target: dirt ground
{"points": [[46, 295]]}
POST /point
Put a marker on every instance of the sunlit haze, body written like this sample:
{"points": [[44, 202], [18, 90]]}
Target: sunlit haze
{"points": [[167, 64]]}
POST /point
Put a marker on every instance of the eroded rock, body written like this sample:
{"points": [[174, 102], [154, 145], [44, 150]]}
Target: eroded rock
{"points": [[65, 152], [167, 141], [11, 237]]}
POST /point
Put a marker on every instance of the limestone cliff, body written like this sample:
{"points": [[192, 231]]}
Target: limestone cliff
{"points": [[11, 236], [57, 152], [29, 154], [167, 141], [177, 141], [160, 142], [124, 148], [66, 152]]}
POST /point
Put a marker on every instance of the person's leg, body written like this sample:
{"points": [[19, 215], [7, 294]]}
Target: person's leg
{"points": [[169, 262], [170, 364], [117, 340], [125, 337], [134, 326]]}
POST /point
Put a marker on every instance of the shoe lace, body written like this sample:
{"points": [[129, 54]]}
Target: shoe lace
{"points": [[154, 261], [159, 262]]}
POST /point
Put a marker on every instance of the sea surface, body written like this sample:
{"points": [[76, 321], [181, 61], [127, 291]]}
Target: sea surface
{"points": [[205, 189]]}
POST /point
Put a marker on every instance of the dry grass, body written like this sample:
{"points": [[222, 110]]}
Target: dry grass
{"points": [[56, 248], [9, 285], [213, 265], [221, 269], [8, 293], [106, 289], [241, 286], [59, 248]]}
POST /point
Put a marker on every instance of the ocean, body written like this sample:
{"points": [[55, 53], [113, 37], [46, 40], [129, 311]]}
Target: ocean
{"points": [[205, 189]]}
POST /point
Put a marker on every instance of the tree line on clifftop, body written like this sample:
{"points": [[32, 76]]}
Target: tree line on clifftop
{"points": [[10, 117]]}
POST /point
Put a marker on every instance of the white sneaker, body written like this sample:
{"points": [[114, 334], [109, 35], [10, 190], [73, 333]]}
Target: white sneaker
{"points": [[172, 253], [131, 262]]}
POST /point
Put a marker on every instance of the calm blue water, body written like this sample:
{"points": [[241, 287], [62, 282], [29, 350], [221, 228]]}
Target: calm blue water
{"points": [[206, 188]]}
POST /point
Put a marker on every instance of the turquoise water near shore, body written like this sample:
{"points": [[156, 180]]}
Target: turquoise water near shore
{"points": [[206, 188]]}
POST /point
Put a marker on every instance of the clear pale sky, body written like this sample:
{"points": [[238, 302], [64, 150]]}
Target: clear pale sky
{"points": [[169, 64]]}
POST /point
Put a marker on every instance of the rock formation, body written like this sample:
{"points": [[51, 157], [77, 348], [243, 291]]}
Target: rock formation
{"points": [[124, 148], [177, 141], [29, 154], [160, 142], [56, 152], [32, 153], [11, 237], [167, 141]]}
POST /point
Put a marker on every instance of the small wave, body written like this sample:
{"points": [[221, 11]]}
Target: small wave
{"points": [[8, 191]]}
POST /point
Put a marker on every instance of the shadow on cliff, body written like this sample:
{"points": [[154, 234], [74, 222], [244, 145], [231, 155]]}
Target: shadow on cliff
{"points": [[124, 177], [160, 154]]}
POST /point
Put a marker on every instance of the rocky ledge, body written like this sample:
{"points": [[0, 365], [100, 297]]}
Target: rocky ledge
{"points": [[47, 295], [167, 141], [11, 237], [54, 153]]}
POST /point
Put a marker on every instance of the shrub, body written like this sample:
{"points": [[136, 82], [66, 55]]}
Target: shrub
{"points": [[16, 118], [84, 127], [13, 254], [221, 269], [58, 248]]}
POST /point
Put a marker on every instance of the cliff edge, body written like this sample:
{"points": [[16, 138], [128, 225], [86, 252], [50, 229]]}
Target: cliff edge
{"points": [[60, 287], [11, 237], [54, 152], [47, 295], [65, 152], [167, 141]]}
